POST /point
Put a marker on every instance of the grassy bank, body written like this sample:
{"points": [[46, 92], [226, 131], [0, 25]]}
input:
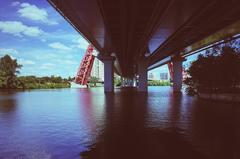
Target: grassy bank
{"points": [[158, 83]]}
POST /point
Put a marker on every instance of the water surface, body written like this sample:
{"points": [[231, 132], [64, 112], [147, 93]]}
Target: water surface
{"points": [[81, 123]]}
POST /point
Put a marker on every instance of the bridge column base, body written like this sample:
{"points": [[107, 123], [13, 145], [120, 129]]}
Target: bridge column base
{"points": [[108, 73], [142, 72], [177, 74]]}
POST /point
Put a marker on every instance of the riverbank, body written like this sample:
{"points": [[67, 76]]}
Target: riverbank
{"points": [[40, 86], [158, 83], [33, 82]]}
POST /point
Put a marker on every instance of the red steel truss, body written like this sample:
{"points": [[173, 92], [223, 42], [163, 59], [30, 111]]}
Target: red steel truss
{"points": [[170, 68], [85, 67]]}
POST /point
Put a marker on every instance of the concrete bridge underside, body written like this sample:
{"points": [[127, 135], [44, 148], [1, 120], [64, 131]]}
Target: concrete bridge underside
{"points": [[140, 33]]}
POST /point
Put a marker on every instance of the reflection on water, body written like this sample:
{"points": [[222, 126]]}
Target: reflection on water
{"points": [[8, 101], [81, 123]]}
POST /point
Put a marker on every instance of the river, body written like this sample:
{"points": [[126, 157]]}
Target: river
{"points": [[78, 123]]}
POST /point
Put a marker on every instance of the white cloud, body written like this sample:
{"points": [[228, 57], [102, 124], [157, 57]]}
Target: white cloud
{"points": [[25, 5], [25, 62], [11, 52], [34, 13], [47, 66], [4, 51], [81, 43], [43, 40], [59, 46], [69, 56], [46, 56], [70, 62], [15, 3], [19, 29], [66, 62]]}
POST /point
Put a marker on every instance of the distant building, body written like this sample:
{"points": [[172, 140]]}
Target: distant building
{"points": [[98, 70], [150, 76], [164, 76]]}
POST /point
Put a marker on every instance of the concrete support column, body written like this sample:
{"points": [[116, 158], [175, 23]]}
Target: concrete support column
{"points": [[134, 82], [142, 72], [177, 74], [108, 73], [122, 82], [129, 82]]}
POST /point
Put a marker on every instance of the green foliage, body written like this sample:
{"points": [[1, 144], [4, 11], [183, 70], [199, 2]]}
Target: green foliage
{"points": [[9, 69], [32, 82], [71, 78], [217, 69], [93, 81], [117, 81], [158, 83]]}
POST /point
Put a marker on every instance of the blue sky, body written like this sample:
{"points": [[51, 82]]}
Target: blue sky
{"points": [[39, 38]]}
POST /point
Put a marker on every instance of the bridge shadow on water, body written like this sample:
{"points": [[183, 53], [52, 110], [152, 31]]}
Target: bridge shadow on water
{"points": [[127, 135], [88, 124]]}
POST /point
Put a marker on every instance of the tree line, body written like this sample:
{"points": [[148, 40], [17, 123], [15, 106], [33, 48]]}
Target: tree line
{"points": [[9, 69], [159, 83], [218, 70]]}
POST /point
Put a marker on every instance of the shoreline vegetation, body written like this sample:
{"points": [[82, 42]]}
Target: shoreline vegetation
{"points": [[216, 72], [159, 83], [32, 82], [9, 69]]}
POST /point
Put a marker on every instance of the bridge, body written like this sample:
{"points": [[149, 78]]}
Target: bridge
{"points": [[134, 36]]}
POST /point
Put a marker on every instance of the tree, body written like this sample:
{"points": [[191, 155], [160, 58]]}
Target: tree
{"points": [[217, 70], [2, 78], [9, 68], [33, 82], [93, 80], [117, 81], [70, 79]]}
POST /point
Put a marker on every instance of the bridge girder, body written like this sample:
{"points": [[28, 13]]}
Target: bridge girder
{"points": [[129, 28]]}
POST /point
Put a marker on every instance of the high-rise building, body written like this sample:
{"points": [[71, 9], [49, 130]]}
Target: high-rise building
{"points": [[164, 76], [98, 70], [151, 76]]}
